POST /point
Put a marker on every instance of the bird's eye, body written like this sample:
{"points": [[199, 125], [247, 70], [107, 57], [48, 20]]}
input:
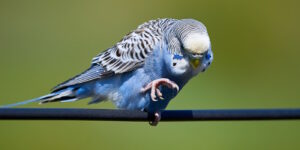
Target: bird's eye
{"points": [[198, 55]]}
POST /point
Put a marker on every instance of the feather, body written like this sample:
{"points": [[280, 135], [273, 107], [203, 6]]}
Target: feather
{"points": [[94, 72], [127, 55]]}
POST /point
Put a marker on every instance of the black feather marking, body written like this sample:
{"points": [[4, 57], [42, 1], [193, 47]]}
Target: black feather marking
{"points": [[143, 45], [137, 56], [142, 55], [118, 53], [132, 54]]}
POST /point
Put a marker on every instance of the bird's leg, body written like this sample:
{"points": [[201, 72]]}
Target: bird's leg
{"points": [[154, 85], [156, 119]]}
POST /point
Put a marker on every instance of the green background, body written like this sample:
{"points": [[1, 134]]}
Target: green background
{"points": [[256, 47]]}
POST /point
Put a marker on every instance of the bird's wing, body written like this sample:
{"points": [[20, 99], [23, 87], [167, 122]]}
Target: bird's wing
{"points": [[130, 52], [94, 72], [127, 55]]}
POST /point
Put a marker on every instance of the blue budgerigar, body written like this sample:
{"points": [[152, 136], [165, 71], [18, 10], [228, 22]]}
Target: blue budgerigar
{"points": [[143, 71]]}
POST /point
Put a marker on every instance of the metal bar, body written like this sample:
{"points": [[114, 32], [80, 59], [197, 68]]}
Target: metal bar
{"points": [[130, 115]]}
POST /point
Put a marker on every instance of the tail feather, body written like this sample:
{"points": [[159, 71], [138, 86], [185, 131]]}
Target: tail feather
{"points": [[29, 101], [62, 95], [65, 95]]}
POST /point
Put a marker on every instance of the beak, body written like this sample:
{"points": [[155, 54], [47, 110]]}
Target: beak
{"points": [[196, 59], [195, 63]]}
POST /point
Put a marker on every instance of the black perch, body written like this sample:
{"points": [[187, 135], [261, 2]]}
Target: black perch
{"points": [[130, 115]]}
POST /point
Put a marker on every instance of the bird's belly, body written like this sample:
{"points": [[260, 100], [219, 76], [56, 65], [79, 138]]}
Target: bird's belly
{"points": [[132, 98], [129, 90]]}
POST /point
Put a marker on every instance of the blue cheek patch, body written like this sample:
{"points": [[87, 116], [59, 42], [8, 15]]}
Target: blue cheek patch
{"points": [[178, 57]]}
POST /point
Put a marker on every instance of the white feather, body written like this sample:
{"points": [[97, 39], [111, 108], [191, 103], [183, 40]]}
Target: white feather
{"points": [[196, 43]]}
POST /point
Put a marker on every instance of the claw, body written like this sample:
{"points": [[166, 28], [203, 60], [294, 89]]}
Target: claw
{"points": [[157, 117], [176, 87], [159, 94], [154, 87], [171, 84]]}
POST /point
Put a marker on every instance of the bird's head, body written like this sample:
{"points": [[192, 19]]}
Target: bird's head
{"points": [[195, 43]]}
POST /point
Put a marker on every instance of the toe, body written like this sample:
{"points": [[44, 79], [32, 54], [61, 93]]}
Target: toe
{"points": [[171, 84], [153, 89], [159, 94]]}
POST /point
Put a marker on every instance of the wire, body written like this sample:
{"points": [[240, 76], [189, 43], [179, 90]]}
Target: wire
{"points": [[131, 115]]}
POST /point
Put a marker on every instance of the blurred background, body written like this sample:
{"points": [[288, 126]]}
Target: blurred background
{"points": [[256, 47]]}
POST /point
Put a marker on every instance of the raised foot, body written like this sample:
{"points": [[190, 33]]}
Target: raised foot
{"points": [[154, 85]]}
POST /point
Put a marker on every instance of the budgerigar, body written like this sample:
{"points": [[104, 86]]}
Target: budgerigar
{"points": [[143, 71]]}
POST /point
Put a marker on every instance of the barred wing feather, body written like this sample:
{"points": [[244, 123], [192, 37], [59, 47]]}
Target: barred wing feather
{"points": [[127, 55]]}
